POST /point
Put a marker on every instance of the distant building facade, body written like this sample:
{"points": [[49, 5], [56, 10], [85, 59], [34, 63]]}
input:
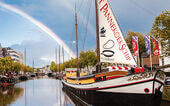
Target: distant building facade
{"points": [[146, 61], [1, 51], [165, 61], [16, 56]]}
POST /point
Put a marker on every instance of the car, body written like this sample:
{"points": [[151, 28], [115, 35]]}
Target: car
{"points": [[167, 81]]}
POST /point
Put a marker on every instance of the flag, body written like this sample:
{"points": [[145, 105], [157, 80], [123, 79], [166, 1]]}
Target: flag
{"points": [[155, 47], [147, 44], [135, 45]]}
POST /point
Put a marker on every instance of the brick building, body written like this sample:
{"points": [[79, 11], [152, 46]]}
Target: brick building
{"points": [[146, 60]]}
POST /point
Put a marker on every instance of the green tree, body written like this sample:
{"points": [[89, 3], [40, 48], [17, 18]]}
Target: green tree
{"points": [[2, 65], [161, 30], [17, 67], [83, 59], [53, 66], [91, 58], [37, 69], [71, 63], [9, 64]]}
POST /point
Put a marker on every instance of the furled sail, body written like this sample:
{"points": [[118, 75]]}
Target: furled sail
{"points": [[113, 48]]}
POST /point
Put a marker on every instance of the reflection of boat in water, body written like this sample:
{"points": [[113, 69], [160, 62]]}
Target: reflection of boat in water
{"points": [[5, 81], [50, 74], [9, 94], [117, 87], [23, 78]]}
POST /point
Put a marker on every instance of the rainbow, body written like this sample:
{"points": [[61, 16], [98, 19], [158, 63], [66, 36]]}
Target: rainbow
{"points": [[40, 25]]}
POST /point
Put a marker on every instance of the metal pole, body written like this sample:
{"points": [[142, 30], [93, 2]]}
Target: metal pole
{"points": [[138, 54], [150, 54]]}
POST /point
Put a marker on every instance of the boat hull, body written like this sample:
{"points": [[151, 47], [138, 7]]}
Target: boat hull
{"points": [[97, 98], [143, 88]]}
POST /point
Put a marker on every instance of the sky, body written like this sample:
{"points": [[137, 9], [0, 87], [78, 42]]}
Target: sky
{"points": [[57, 17]]}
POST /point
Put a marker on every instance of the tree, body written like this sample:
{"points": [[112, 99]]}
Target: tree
{"points": [[82, 59], [86, 59], [9, 64], [37, 69], [2, 66], [17, 67], [91, 58], [53, 66], [161, 30]]}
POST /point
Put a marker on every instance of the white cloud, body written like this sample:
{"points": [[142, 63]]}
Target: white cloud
{"points": [[47, 59]]}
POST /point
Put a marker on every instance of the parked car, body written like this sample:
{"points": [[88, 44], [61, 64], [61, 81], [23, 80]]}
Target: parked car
{"points": [[167, 81]]}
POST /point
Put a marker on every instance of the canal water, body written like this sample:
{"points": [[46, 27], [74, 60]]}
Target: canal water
{"points": [[36, 92], [43, 91]]}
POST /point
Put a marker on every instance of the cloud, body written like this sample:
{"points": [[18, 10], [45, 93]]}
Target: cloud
{"points": [[42, 51], [47, 59]]}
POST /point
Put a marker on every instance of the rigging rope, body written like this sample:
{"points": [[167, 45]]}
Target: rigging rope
{"points": [[85, 35]]}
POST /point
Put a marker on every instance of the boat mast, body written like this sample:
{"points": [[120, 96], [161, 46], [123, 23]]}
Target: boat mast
{"points": [[33, 65], [97, 40], [78, 73], [56, 59], [59, 59], [63, 59]]}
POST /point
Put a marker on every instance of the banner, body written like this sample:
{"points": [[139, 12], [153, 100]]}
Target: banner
{"points": [[113, 48], [135, 45], [147, 44], [155, 47]]}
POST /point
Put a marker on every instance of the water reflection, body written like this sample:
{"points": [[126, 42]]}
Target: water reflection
{"points": [[9, 94], [41, 92]]}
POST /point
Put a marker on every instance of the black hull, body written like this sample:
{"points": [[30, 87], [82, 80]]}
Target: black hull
{"points": [[97, 98]]}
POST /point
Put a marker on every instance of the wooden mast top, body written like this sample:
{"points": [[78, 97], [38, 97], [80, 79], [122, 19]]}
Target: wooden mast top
{"points": [[78, 73], [98, 70]]}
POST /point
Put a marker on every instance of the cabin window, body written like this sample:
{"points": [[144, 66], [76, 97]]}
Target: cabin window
{"points": [[97, 79], [104, 78], [100, 78]]}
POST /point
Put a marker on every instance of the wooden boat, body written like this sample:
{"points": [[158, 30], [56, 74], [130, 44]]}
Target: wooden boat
{"points": [[116, 86]]}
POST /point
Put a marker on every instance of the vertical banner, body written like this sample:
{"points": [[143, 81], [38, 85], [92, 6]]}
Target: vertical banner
{"points": [[113, 48], [135, 45], [155, 47], [148, 48], [147, 44]]}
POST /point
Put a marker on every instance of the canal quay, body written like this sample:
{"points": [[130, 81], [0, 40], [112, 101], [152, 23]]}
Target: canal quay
{"points": [[47, 91]]}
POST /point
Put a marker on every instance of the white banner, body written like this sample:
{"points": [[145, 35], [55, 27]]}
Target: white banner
{"points": [[113, 48]]}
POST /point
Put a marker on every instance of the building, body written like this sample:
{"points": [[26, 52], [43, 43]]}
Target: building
{"points": [[165, 61], [1, 52], [146, 61], [16, 56], [156, 61]]}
